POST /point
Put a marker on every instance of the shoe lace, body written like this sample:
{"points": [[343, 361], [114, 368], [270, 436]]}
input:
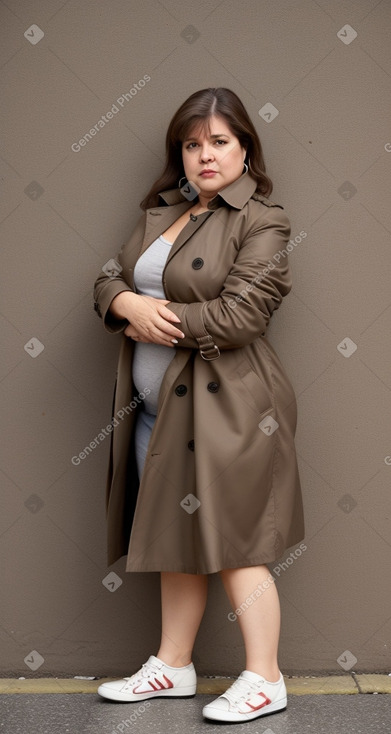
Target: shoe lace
{"points": [[239, 690], [146, 670]]}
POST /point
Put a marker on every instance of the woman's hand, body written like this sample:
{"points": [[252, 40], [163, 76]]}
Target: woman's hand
{"points": [[149, 319]]}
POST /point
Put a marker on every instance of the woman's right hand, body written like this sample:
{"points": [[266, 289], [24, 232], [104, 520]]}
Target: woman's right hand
{"points": [[148, 317]]}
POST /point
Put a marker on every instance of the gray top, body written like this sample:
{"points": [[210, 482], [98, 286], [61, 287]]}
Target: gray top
{"points": [[150, 361]]}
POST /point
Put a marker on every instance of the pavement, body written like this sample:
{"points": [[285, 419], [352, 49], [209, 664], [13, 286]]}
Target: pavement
{"points": [[335, 704]]}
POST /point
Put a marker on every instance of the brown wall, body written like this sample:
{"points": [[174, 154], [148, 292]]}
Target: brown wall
{"points": [[65, 212]]}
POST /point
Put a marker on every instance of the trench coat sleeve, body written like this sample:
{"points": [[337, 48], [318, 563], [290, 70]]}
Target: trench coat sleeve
{"points": [[255, 286], [106, 288]]}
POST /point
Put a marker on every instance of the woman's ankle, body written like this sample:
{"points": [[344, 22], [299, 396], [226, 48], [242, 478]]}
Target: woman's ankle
{"points": [[174, 661], [270, 673]]}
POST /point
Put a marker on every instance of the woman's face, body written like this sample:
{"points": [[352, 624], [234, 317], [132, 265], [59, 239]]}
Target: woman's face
{"points": [[212, 160]]}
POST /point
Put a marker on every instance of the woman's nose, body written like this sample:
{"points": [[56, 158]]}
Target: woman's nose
{"points": [[206, 154]]}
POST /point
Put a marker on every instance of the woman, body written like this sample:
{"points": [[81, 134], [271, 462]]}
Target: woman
{"points": [[203, 475]]}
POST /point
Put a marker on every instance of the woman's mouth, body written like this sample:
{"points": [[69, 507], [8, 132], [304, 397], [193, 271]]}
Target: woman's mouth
{"points": [[208, 173]]}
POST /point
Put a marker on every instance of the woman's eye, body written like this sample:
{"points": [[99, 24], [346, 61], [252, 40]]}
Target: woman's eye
{"points": [[220, 142]]}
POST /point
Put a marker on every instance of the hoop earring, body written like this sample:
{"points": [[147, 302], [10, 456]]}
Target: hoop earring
{"points": [[245, 168], [181, 179]]}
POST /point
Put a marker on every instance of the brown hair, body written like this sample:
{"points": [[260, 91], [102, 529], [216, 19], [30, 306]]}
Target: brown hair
{"points": [[196, 110]]}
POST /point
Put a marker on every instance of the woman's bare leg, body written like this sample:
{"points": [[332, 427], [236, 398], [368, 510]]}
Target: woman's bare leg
{"points": [[259, 622], [183, 597]]}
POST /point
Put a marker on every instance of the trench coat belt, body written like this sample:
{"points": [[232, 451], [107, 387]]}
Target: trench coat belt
{"points": [[194, 316]]}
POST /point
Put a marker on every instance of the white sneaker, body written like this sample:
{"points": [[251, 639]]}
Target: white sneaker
{"points": [[153, 680], [249, 696]]}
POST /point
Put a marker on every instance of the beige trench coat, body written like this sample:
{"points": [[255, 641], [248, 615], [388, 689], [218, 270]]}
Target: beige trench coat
{"points": [[220, 486]]}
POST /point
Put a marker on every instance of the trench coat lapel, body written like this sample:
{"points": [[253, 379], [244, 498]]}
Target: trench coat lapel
{"points": [[186, 233], [161, 218]]}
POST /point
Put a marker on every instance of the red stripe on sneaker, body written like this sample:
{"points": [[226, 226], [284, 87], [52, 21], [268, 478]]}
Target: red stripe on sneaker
{"points": [[158, 687], [148, 691], [264, 703]]}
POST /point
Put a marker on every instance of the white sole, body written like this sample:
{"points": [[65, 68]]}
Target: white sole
{"points": [[273, 708], [183, 692]]}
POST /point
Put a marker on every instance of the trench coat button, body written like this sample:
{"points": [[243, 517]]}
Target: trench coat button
{"points": [[213, 386], [181, 390], [190, 445], [197, 263]]}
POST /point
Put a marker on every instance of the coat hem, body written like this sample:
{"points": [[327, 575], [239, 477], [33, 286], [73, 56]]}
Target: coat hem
{"points": [[150, 568]]}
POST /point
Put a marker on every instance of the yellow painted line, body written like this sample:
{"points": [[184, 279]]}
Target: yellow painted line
{"points": [[374, 683], [314, 685], [49, 685], [322, 685]]}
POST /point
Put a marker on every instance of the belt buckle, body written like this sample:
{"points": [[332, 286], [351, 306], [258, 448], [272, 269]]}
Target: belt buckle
{"points": [[203, 352]]}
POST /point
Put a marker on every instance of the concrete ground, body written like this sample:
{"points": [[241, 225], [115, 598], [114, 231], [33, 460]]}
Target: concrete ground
{"points": [[346, 704]]}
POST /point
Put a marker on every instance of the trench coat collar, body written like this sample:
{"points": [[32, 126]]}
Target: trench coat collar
{"points": [[159, 218], [235, 194]]}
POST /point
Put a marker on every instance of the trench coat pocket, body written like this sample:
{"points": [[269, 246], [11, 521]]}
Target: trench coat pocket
{"points": [[253, 388]]}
